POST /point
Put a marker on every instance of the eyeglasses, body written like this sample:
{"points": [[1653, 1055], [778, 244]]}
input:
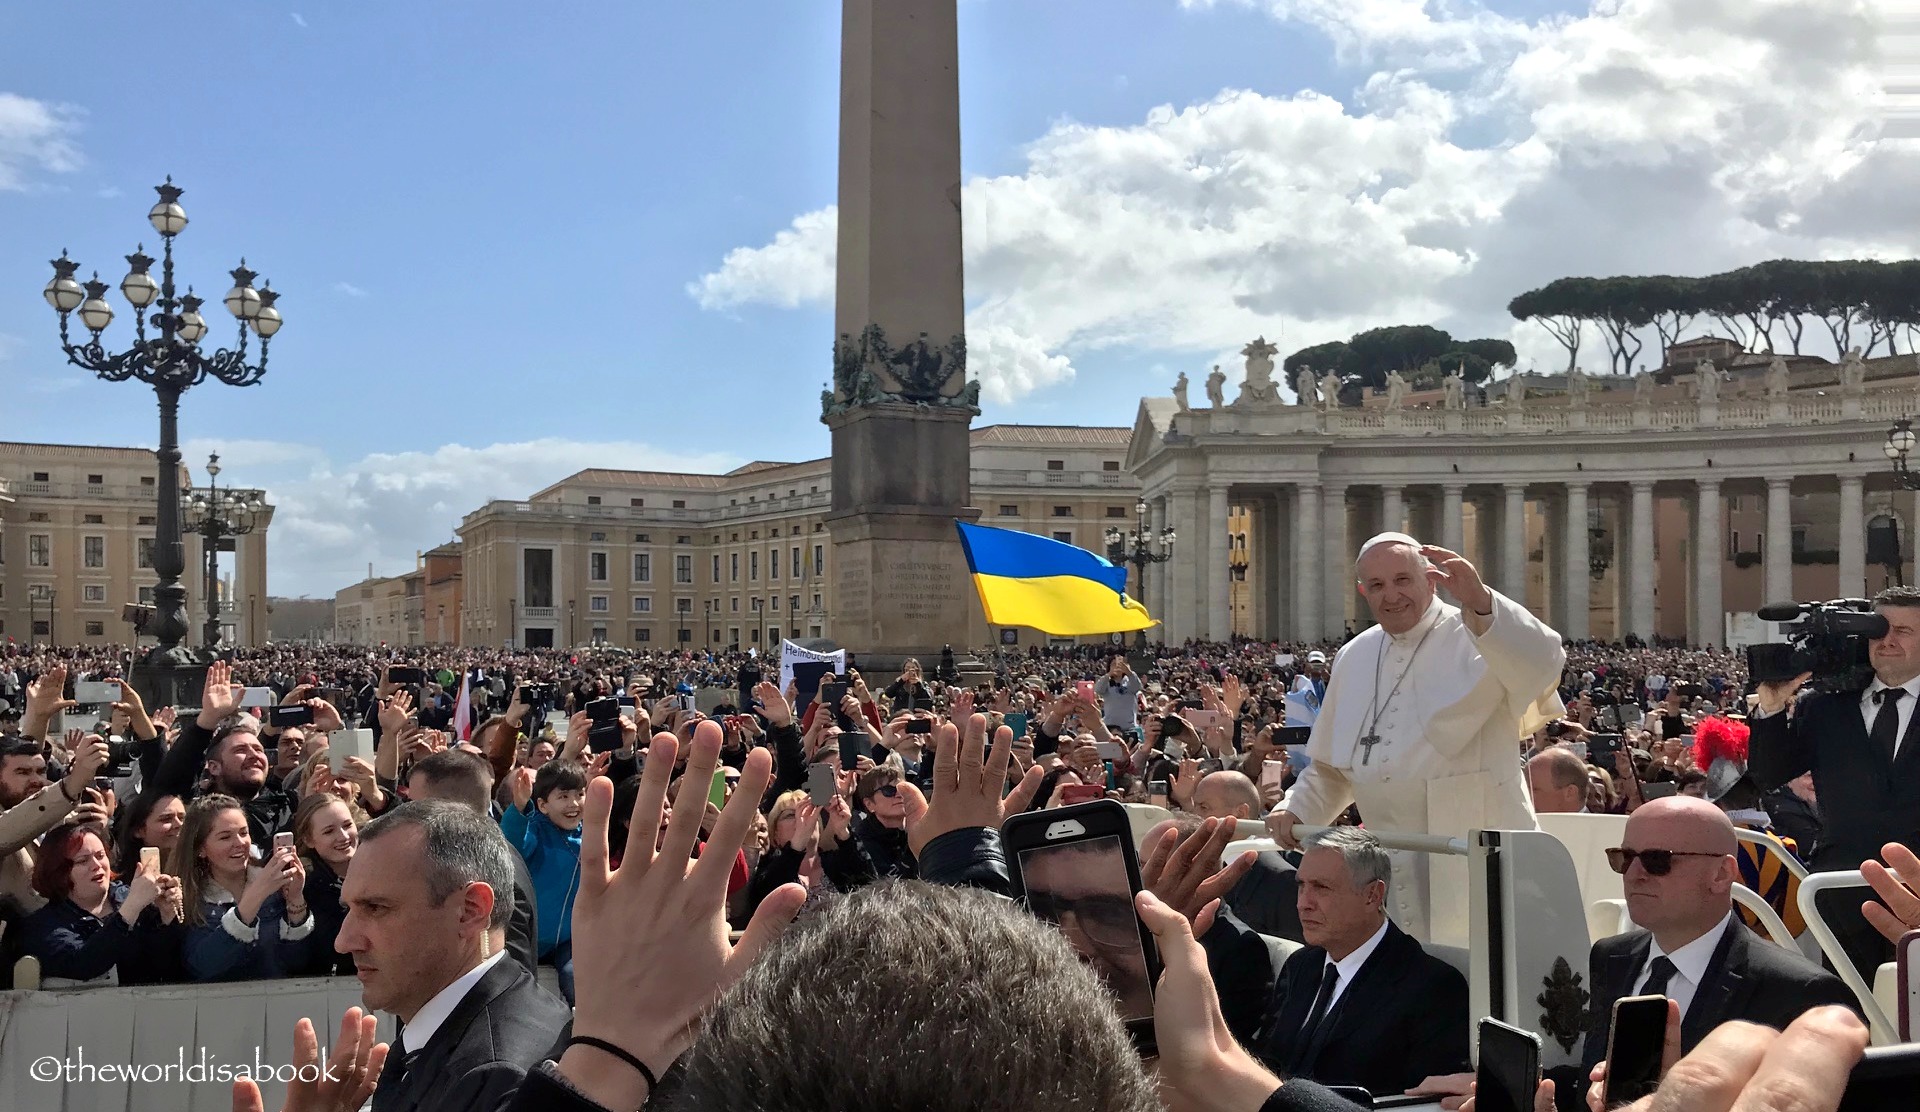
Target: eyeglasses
{"points": [[1107, 920], [1657, 862], [888, 790]]}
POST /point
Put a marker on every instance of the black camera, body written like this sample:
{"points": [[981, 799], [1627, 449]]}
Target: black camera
{"points": [[121, 757], [1829, 639]]}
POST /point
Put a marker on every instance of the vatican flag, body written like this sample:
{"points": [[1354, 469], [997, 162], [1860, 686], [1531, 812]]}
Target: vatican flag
{"points": [[1048, 585]]}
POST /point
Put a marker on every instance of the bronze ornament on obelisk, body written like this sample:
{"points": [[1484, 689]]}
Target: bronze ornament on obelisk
{"points": [[901, 403]]}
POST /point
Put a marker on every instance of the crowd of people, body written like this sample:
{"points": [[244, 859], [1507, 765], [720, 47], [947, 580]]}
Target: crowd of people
{"points": [[229, 841]]}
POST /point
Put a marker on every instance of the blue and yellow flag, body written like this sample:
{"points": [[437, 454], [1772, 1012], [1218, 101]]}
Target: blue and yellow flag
{"points": [[1048, 585]]}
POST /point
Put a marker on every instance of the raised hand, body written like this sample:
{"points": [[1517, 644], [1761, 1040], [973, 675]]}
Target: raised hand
{"points": [[967, 778], [522, 781], [220, 697], [1186, 874], [1460, 577], [774, 707], [346, 1083]]}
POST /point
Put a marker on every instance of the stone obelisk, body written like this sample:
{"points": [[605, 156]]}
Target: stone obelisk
{"points": [[901, 403]]}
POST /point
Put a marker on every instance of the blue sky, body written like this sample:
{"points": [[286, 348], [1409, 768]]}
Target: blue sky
{"points": [[488, 221]]}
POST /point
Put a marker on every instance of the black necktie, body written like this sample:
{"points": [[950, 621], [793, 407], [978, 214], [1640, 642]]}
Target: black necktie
{"points": [[1886, 724], [1659, 972], [1321, 1001]]}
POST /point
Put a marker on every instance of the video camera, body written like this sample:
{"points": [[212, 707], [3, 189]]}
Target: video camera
{"points": [[1830, 639]]}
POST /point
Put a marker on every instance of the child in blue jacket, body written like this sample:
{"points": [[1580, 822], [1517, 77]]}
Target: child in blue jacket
{"points": [[544, 825]]}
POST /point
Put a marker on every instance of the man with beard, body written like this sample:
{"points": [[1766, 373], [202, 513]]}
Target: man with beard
{"points": [[223, 746], [30, 806]]}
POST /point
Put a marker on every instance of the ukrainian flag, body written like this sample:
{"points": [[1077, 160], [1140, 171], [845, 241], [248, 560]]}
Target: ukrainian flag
{"points": [[1048, 585]]}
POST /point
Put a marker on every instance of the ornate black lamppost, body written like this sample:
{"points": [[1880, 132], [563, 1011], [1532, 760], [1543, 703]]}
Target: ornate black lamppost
{"points": [[1900, 443], [1137, 547], [217, 514], [165, 355]]}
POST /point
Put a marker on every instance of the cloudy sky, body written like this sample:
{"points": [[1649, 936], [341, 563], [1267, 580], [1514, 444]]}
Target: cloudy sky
{"points": [[515, 245]]}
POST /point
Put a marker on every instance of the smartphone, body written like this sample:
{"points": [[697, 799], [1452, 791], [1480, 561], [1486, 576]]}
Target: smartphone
{"points": [[406, 677], [103, 785], [1082, 793], [603, 735], [342, 744], [94, 693], [258, 697], [1080, 861], [821, 784], [150, 859], [1083, 689], [1017, 722], [1886, 1078], [1603, 750], [1292, 735], [282, 717], [1203, 720], [283, 840], [1634, 1045], [623, 700], [853, 745], [1273, 772], [1111, 751], [1509, 1067], [717, 791], [919, 725], [1659, 790], [1907, 968], [1157, 792]]}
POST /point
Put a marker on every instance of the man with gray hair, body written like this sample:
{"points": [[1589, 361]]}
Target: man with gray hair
{"points": [[428, 900], [1422, 721], [1362, 1003]]}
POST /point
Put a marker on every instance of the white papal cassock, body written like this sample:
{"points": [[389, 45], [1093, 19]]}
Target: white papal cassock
{"points": [[1448, 759]]}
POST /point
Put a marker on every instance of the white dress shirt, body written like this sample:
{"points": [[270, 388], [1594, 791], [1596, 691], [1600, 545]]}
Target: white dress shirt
{"points": [[1689, 963], [1869, 709], [1349, 966], [434, 1012]]}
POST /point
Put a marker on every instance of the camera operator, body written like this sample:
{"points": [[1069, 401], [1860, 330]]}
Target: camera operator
{"points": [[1858, 746]]}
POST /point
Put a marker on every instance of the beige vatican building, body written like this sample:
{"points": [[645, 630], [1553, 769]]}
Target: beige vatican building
{"points": [[1670, 505], [76, 536], [639, 558]]}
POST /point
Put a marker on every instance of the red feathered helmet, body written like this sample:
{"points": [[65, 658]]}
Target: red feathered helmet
{"points": [[1719, 737]]}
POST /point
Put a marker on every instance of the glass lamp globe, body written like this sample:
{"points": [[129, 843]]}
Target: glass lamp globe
{"points": [[243, 301], [192, 326], [1890, 449], [139, 289], [266, 321], [96, 314], [1902, 440], [64, 294]]}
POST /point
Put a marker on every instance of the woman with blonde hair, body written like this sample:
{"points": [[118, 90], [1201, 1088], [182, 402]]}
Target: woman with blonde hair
{"points": [[326, 831], [812, 845]]}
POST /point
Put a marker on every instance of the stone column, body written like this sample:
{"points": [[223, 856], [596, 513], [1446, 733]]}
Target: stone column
{"points": [[1573, 625], [1307, 582], [1393, 509], [1853, 536], [1513, 542], [1779, 551], [1219, 578], [1640, 559], [1272, 562], [1336, 562], [1553, 558], [1452, 520], [1708, 556]]}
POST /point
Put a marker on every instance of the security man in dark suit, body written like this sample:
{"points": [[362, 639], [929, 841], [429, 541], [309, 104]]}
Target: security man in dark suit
{"points": [[1861, 749], [1362, 1003], [463, 777], [1677, 865], [427, 909]]}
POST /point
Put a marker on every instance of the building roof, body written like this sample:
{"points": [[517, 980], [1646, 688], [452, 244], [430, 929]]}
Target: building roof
{"points": [[1085, 436], [1704, 341], [451, 548], [22, 447]]}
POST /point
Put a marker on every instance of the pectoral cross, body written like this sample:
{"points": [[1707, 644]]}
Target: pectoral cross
{"points": [[1366, 747]]}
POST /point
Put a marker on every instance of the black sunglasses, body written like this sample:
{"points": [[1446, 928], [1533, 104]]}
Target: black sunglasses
{"points": [[1657, 862], [888, 790]]}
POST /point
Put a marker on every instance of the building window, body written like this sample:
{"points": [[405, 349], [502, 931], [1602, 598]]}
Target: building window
{"points": [[1733, 546], [146, 480], [144, 519], [642, 604], [596, 536], [733, 568], [96, 629], [753, 566], [819, 559], [642, 538], [773, 563], [1116, 511], [39, 550], [642, 567], [643, 635], [1064, 536], [1056, 465], [793, 603], [775, 602], [597, 567], [597, 604], [1063, 511], [93, 592], [683, 605], [41, 477], [144, 546], [93, 519], [683, 540], [39, 515], [1009, 511], [683, 569], [736, 609], [1109, 465], [537, 591], [679, 503], [42, 628], [96, 480], [637, 503], [593, 499], [146, 596]]}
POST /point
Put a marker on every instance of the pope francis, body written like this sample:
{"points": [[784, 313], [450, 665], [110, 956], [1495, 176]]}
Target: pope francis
{"points": [[1422, 721]]}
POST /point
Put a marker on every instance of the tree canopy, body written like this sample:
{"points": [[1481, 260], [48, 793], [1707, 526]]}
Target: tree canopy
{"points": [[1417, 349]]}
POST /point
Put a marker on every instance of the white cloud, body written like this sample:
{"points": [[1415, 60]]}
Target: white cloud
{"points": [[36, 136], [1483, 156], [332, 518], [349, 289]]}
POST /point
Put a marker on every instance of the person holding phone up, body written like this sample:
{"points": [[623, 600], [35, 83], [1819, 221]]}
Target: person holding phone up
{"points": [[95, 930], [245, 922]]}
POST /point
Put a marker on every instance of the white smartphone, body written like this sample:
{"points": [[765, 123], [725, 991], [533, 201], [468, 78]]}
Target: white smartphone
{"points": [[95, 693], [1907, 969], [259, 697], [342, 744], [1273, 772]]}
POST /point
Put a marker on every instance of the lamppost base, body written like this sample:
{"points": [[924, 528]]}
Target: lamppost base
{"points": [[170, 677]]}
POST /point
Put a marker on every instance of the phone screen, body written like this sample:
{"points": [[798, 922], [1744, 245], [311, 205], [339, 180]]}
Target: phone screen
{"points": [[1509, 1069], [1082, 888], [821, 784], [717, 793], [1634, 1043]]}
